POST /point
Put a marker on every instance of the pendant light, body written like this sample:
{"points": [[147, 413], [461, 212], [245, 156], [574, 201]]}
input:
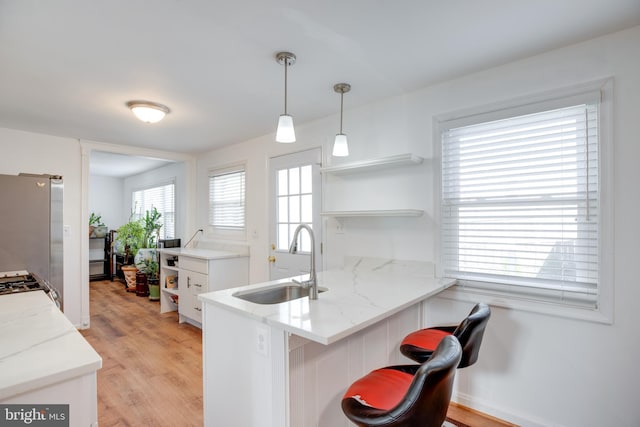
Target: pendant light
{"points": [[285, 132], [148, 112], [340, 146]]}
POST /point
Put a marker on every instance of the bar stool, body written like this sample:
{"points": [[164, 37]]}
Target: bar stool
{"points": [[406, 395], [420, 345]]}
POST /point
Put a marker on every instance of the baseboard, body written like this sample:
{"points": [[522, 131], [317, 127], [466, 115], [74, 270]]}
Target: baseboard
{"points": [[512, 417], [463, 416]]}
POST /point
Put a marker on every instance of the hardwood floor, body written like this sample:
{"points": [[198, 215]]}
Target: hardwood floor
{"points": [[461, 416], [151, 365]]}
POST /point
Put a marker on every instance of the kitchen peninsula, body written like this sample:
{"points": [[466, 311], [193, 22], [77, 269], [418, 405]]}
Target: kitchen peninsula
{"points": [[44, 359], [288, 364]]}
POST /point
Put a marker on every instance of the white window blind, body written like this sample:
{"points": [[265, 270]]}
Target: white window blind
{"points": [[521, 204], [162, 198], [227, 199]]}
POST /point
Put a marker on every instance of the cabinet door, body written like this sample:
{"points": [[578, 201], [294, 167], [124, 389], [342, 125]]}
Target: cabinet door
{"points": [[191, 284]]}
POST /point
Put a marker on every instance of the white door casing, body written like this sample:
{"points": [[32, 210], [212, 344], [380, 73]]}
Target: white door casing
{"points": [[295, 192]]}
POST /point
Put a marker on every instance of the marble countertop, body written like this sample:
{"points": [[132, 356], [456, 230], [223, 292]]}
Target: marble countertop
{"points": [[39, 346], [359, 295], [202, 253]]}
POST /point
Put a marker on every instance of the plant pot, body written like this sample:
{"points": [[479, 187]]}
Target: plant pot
{"points": [[129, 272], [154, 289], [100, 231], [91, 231], [142, 287]]}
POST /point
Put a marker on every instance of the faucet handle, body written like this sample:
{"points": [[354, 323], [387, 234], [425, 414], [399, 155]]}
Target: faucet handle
{"points": [[303, 283]]}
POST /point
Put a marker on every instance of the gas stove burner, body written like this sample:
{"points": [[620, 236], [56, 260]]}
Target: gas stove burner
{"points": [[14, 283]]}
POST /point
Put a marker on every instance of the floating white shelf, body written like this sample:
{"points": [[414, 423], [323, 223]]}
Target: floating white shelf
{"points": [[375, 212], [374, 164]]}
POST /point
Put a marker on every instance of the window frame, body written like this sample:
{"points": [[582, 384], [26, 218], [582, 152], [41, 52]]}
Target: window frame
{"points": [[159, 184], [223, 232], [539, 301]]}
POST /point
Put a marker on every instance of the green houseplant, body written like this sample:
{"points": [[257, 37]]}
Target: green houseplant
{"points": [[128, 241], [130, 237], [138, 239], [151, 267], [147, 258], [95, 221]]}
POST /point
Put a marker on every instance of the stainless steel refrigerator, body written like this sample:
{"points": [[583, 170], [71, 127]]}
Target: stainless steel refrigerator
{"points": [[31, 227]]}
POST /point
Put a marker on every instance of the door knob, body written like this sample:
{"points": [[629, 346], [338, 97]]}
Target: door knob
{"points": [[272, 258]]}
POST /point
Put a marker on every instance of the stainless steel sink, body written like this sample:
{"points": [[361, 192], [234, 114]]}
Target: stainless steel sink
{"points": [[275, 294]]}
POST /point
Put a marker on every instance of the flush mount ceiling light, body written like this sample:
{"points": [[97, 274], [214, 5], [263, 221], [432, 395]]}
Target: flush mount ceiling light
{"points": [[340, 146], [148, 112], [285, 132]]}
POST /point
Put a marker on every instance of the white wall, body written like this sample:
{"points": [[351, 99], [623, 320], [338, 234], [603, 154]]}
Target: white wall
{"points": [[37, 153], [534, 369], [105, 199]]}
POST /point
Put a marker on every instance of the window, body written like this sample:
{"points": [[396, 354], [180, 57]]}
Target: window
{"points": [[521, 201], [294, 205], [227, 199], [162, 198]]}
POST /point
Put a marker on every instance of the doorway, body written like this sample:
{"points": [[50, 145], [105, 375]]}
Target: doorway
{"points": [[108, 162], [295, 198]]}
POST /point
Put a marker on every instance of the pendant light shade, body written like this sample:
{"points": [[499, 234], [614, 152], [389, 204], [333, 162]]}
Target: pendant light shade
{"points": [[340, 146], [148, 112], [285, 133]]}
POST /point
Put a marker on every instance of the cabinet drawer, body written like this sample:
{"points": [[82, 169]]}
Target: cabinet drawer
{"points": [[194, 264]]}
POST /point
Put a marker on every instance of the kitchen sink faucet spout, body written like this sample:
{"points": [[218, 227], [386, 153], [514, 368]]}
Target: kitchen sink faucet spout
{"points": [[312, 283]]}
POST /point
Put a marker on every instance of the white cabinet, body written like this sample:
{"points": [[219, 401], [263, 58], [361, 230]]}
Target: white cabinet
{"points": [[193, 280], [198, 271]]}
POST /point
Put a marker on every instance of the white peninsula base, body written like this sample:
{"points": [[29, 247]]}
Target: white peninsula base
{"points": [[288, 364]]}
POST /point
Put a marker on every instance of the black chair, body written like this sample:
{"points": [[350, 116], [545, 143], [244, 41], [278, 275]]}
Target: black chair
{"points": [[420, 345], [406, 395]]}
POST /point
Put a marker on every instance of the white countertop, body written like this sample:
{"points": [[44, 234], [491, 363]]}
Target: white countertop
{"points": [[202, 253], [357, 296], [39, 346]]}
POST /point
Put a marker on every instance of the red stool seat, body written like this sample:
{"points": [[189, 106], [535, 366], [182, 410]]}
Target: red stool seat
{"points": [[420, 345], [425, 338], [383, 388], [407, 395]]}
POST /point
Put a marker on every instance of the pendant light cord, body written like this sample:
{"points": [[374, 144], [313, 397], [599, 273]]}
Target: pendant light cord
{"points": [[341, 104], [286, 65]]}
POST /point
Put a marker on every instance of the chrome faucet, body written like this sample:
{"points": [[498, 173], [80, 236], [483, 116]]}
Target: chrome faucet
{"points": [[312, 283]]}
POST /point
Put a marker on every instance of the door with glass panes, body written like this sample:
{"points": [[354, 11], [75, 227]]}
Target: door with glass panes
{"points": [[295, 193]]}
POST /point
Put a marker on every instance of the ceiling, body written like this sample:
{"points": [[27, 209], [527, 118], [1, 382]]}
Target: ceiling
{"points": [[116, 165], [69, 66]]}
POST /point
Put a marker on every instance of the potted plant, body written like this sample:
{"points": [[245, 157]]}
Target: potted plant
{"points": [[139, 238], [151, 268], [147, 257], [94, 222], [129, 239]]}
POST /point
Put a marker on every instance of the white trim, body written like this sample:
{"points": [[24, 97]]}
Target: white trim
{"points": [[604, 312], [510, 301], [213, 232], [86, 148], [510, 416]]}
